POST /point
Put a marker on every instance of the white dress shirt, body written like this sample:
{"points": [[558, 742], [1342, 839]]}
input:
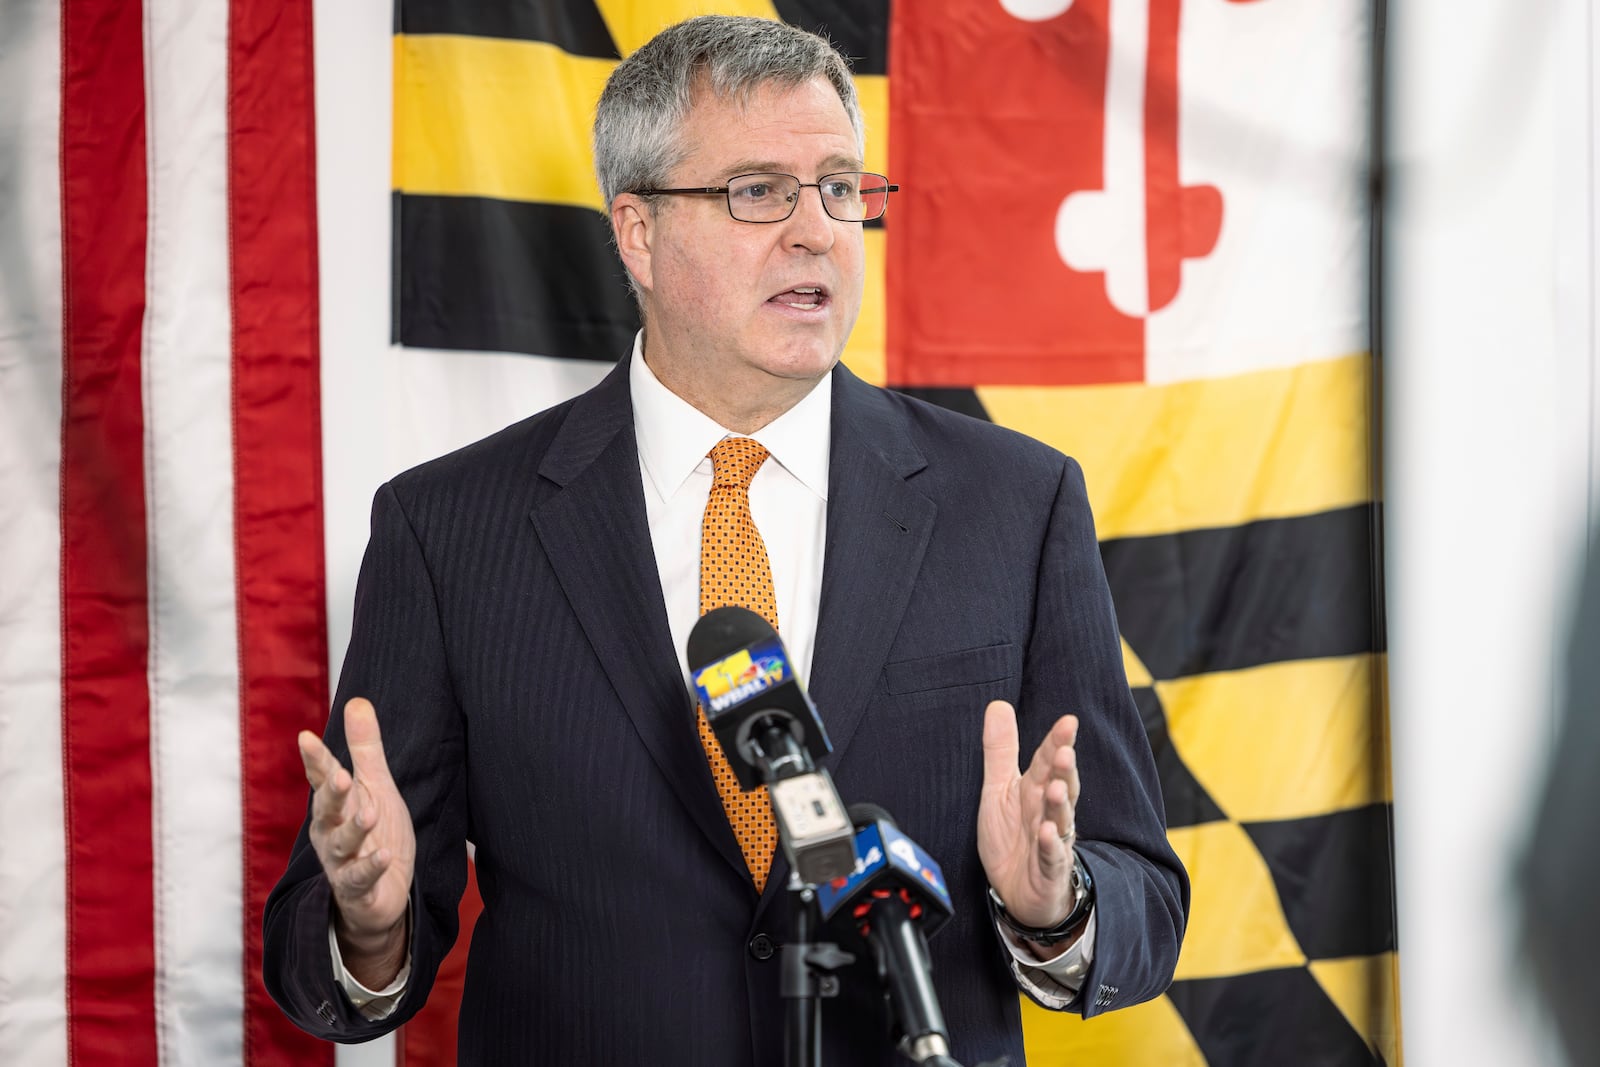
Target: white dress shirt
{"points": [[789, 503]]}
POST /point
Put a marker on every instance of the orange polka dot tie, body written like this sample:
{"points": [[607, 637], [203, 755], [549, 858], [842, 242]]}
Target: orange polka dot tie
{"points": [[734, 569]]}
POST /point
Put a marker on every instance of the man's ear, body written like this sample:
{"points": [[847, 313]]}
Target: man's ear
{"points": [[633, 226]]}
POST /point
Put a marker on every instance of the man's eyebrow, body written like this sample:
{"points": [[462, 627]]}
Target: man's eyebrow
{"points": [[752, 166], [843, 163], [831, 165]]}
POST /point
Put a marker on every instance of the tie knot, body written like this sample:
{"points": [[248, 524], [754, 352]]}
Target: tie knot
{"points": [[735, 460]]}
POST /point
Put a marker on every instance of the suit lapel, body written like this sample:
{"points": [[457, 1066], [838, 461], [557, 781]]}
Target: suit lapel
{"points": [[597, 539], [878, 530]]}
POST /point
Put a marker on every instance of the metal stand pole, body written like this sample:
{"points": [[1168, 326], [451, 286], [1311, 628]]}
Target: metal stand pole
{"points": [[806, 979]]}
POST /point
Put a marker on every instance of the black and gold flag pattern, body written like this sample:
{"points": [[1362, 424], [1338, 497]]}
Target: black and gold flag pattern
{"points": [[1238, 529], [1236, 499]]}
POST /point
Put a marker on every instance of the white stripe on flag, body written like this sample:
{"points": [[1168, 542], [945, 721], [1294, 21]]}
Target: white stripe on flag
{"points": [[33, 1000], [194, 653], [1127, 276]]}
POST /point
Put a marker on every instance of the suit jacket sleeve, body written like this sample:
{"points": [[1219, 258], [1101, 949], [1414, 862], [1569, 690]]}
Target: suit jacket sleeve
{"points": [[1074, 665], [398, 659]]}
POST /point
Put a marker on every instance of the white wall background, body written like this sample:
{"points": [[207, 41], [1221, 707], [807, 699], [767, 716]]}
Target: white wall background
{"points": [[353, 64], [1489, 439]]}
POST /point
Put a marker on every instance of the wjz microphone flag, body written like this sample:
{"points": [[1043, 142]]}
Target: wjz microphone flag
{"points": [[1135, 229]]}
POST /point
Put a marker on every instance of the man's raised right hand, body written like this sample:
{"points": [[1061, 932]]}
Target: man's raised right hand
{"points": [[362, 832]]}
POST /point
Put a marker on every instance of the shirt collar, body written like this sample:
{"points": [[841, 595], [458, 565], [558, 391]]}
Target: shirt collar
{"points": [[674, 435]]}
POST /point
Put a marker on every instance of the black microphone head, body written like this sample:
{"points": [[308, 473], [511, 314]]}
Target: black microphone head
{"points": [[721, 632], [865, 814], [744, 679], [887, 862]]}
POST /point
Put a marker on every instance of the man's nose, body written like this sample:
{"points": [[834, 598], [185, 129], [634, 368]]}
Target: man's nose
{"points": [[810, 226]]}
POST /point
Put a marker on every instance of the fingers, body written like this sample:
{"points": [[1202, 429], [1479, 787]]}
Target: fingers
{"points": [[999, 743], [336, 827], [329, 780], [1027, 836], [345, 810], [1056, 758], [1052, 778], [1055, 852], [1062, 735], [1057, 811], [320, 763], [365, 740]]}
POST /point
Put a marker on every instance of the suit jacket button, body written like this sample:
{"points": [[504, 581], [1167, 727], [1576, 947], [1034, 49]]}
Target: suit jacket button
{"points": [[761, 947]]}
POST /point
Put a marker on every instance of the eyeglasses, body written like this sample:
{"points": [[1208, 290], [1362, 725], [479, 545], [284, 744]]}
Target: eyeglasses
{"points": [[849, 196]]}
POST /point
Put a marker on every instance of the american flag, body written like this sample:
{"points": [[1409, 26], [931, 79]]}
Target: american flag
{"points": [[162, 619]]}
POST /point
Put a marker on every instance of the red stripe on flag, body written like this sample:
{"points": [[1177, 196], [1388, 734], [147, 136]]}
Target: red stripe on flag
{"points": [[277, 431], [105, 629], [429, 1038]]}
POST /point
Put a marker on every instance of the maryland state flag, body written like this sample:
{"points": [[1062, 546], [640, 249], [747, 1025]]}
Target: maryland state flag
{"points": [[1137, 230]]}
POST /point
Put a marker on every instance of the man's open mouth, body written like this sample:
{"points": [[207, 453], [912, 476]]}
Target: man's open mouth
{"points": [[802, 297]]}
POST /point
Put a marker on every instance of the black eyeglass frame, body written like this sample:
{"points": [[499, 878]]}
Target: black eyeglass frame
{"points": [[725, 192]]}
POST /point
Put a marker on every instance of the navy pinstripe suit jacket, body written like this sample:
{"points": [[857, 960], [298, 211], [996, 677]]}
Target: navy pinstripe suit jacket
{"points": [[510, 629]]}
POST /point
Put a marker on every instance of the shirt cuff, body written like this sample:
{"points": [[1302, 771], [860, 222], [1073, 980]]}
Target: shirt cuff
{"points": [[372, 1004], [1053, 983]]}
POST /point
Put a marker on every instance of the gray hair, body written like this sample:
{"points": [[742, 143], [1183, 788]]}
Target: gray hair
{"points": [[650, 93]]}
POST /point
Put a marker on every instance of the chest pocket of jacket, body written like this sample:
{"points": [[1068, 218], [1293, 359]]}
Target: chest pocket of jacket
{"points": [[972, 675], [927, 725]]}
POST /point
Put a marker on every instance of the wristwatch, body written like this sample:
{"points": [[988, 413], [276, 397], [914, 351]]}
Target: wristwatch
{"points": [[1066, 929]]}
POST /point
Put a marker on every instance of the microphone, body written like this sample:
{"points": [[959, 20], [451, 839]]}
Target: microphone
{"points": [[895, 899], [771, 734]]}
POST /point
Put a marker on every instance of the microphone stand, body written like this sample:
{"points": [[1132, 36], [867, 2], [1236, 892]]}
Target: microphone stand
{"points": [[806, 978]]}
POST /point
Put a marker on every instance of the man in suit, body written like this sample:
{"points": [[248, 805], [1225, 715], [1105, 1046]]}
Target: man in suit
{"points": [[524, 602]]}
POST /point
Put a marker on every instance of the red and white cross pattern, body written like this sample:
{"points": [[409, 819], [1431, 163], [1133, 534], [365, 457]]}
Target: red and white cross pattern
{"points": [[1163, 228]]}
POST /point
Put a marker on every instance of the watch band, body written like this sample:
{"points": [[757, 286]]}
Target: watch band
{"points": [[1066, 929]]}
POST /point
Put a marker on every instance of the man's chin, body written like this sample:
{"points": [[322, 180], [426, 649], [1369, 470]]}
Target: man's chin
{"points": [[807, 355], [805, 365]]}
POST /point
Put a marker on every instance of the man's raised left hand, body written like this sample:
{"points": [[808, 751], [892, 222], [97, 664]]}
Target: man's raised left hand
{"points": [[1025, 819]]}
